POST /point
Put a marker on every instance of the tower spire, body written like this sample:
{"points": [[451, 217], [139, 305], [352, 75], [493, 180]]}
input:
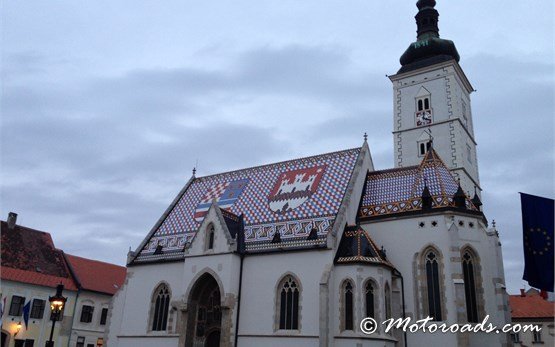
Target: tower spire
{"points": [[427, 19], [428, 49]]}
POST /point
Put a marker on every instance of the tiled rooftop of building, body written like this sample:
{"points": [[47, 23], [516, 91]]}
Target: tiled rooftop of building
{"points": [[531, 305], [29, 256], [95, 275]]}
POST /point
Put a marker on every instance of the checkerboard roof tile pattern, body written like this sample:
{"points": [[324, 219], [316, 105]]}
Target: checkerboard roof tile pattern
{"points": [[401, 185], [252, 200]]}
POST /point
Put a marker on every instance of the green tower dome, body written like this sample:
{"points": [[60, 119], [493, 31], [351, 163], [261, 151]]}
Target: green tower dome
{"points": [[429, 48]]}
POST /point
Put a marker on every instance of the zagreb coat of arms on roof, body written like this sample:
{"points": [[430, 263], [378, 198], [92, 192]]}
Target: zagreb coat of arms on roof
{"points": [[294, 188]]}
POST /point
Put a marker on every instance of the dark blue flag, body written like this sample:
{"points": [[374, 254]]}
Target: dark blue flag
{"points": [[26, 310], [537, 224]]}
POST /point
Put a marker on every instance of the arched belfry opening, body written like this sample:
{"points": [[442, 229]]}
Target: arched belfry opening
{"points": [[204, 326]]}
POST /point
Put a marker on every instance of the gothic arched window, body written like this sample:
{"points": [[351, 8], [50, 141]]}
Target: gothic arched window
{"points": [[289, 304], [348, 318], [433, 288], [161, 301], [468, 267], [369, 296], [387, 295], [210, 237]]}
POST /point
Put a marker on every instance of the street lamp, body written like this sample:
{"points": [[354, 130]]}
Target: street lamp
{"points": [[57, 303], [17, 329]]}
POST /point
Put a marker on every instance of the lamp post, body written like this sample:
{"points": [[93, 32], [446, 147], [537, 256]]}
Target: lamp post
{"points": [[57, 303], [17, 329]]}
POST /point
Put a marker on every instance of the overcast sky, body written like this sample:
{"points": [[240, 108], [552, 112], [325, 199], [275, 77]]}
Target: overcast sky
{"points": [[107, 105]]}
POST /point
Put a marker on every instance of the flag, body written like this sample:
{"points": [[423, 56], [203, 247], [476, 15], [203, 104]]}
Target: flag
{"points": [[26, 310], [537, 228]]}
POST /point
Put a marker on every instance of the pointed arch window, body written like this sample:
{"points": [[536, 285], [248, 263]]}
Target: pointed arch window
{"points": [[369, 296], [161, 301], [468, 267], [348, 318], [210, 237], [433, 288], [387, 295], [289, 304]]}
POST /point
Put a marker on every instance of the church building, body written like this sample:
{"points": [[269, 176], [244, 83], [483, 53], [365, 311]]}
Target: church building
{"points": [[297, 253]]}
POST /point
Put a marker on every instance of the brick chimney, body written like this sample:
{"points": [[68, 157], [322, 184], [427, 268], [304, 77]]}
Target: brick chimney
{"points": [[12, 218], [522, 292]]}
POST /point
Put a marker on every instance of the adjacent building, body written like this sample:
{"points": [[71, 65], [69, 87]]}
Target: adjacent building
{"points": [[530, 308], [97, 283], [31, 269]]}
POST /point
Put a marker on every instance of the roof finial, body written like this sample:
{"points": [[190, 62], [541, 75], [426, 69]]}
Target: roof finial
{"points": [[476, 199], [493, 223], [429, 131], [426, 19], [365, 137], [194, 171]]}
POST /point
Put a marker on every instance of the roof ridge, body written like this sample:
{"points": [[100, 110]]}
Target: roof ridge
{"points": [[394, 169], [94, 260], [49, 235], [277, 163]]}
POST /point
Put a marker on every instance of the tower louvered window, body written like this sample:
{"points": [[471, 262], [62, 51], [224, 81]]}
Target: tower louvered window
{"points": [[470, 287], [161, 307], [432, 279], [289, 304]]}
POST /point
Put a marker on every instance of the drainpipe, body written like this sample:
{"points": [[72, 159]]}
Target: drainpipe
{"points": [[398, 274], [241, 249], [74, 315], [78, 282]]}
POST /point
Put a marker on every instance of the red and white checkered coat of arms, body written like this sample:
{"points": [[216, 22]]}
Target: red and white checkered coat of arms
{"points": [[294, 188]]}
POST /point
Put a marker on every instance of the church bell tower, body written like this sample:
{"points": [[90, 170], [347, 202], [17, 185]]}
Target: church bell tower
{"points": [[431, 96]]}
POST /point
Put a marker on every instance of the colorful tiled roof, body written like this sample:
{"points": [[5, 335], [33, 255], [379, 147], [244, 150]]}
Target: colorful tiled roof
{"points": [[356, 246], [290, 197], [29, 256], [95, 275], [400, 190], [531, 306]]}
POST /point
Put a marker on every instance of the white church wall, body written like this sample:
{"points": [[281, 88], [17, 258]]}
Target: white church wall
{"points": [[405, 237], [402, 239], [136, 298], [359, 275], [262, 273]]}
